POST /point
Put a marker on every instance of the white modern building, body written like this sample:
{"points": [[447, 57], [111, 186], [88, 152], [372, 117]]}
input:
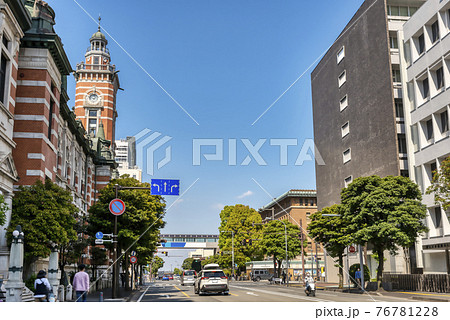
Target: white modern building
{"points": [[425, 66], [126, 158]]}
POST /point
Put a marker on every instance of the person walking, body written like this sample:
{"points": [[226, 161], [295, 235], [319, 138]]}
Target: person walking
{"points": [[42, 286], [284, 277], [358, 276], [81, 283]]}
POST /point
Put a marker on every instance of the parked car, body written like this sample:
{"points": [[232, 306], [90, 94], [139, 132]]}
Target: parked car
{"points": [[261, 274], [211, 279], [171, 277], [188, 277], [165, 278]]}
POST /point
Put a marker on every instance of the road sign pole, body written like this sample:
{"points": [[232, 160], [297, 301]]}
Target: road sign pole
{"points": [[116, 265], [232, 252], [361, 263]]}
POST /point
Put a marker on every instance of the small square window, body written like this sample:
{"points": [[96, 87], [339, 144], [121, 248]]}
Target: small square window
{"points": [[421, 40], [440, 78], [347, 181], [92, 113], [444, 121], [341, 55], [345, 129], [347, 155], [343, 103], [393, 42], [342, 78], [434, 32]]}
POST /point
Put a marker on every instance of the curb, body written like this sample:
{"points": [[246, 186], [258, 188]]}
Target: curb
{"points": [[430, 299]]}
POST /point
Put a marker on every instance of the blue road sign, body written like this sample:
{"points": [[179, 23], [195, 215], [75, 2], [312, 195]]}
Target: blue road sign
{"points": [[99, 235], [165, 187]]}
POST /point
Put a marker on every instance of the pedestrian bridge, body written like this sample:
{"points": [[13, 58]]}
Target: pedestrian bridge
{"points": [[189, 241]]}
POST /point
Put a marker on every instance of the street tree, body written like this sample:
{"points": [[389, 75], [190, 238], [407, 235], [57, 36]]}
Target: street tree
{"points": [[47, 216], [177, 271], [98, 258], [187, 264], [3, 209], [156, 264], [242, 221], [273, 242], [385, 212], [138, 228], [331, 232], [440, 185]]}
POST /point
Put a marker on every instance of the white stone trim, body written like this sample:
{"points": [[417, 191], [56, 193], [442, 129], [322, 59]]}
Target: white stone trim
{"points": [[12, 101], [49, 173], [13, 82], [102, 182], [31, 117], [35, 173], [36, 156], [33, 100], [34, 58], [107, 118], [34, 135], [102, 88], [35, 83]]}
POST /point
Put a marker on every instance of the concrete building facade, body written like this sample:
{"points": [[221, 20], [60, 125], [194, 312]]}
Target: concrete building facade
{"points": [[426, 84]]}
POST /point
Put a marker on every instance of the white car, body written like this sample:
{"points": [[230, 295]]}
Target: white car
{"points": [[188, 277], [211, 279]]}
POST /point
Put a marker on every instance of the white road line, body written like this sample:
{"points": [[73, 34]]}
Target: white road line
{"points": [[252, 294], [283, 294], [142, 295]]}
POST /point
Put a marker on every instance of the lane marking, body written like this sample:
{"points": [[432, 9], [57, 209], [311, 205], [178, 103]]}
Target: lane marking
{"points": [[182, 291], [252, 294], [234, 294], [427, 294], [284, 294], [142, 295]]}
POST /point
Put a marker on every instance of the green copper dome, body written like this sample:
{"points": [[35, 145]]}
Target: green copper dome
{"points": [[98, 35]]}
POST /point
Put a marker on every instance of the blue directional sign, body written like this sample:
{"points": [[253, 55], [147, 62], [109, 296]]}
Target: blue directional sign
{"points": [[99, 235], [165, 187]]}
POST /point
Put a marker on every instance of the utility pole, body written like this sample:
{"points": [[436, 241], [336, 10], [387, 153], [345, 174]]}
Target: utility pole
{"points": [[303, 258], [361, 263], [116, 265], [232, 252]]}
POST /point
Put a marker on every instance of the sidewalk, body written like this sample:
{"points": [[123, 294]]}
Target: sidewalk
{"points": [[124, 296]]}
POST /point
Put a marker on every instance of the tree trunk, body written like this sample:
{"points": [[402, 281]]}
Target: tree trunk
{"points": [[341, 271], [279, 268], [366, 259], [380, 266], [127, 275], [274, 266]]}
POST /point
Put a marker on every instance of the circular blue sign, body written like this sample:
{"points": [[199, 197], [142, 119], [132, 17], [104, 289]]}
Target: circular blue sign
{"points": [[99, 235]]}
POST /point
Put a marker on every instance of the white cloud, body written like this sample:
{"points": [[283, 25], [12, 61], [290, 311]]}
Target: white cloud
{"points": [[245, 194], [218, 206]]}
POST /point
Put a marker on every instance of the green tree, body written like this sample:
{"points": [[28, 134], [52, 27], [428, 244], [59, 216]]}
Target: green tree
{"points": [[187, 264], [242, 221], [331, 232], [385, 212], [440, 185], [3, 209], [157, 263], [47, 215], [177, 271], [273, 241], [98, 258], [138, 227]]}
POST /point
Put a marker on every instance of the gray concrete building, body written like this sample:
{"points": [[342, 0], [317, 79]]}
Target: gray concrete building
{"points": [[357, 100], [359, 121], [426, 87]]}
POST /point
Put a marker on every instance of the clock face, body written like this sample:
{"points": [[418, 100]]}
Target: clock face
{"points": [[93, 98]]}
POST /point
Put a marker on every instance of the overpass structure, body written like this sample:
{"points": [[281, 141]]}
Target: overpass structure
{"points": [[190, 241]]}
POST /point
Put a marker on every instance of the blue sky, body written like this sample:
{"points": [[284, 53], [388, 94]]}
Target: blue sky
{"points": [[225, 62]]}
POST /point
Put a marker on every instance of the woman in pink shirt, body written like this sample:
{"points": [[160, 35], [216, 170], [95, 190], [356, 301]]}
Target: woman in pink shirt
{"points": [[81, 283]]}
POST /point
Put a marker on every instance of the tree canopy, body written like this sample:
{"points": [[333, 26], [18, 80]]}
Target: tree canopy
{"points": [[273, 242], [440, 185], [385, 212], [156, 263], [331, 231], [242, 221], [47, 215], [141, 221]]}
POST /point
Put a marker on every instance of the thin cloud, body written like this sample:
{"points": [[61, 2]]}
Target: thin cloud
{"points": [[245, 194], [218, 206]]}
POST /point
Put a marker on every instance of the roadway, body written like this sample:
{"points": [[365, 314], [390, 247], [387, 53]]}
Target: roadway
{"points": [[173, 291]]}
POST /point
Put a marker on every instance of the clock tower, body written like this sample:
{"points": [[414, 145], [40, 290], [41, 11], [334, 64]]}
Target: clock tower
{"points": [[97, 83]]}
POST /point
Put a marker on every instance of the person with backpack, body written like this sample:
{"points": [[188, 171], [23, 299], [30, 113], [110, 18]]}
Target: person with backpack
{"points": [[42, 287]]}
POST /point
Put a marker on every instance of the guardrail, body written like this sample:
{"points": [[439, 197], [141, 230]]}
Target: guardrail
{"points": [[417, 282]]}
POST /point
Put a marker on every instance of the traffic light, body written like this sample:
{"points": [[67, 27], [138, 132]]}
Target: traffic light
{"points": [[164, 253], [250, 242], [244, 242]]}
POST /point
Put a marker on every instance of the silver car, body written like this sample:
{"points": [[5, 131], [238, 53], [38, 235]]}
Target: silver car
{"points": [[188, 277], [211, 279]]}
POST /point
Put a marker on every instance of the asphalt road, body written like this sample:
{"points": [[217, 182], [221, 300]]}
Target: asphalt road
{"points": [[173, 291]]}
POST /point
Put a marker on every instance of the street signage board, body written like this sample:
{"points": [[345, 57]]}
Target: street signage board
{"points": [[133, 253], [98, 241], [165, 187], [99, 235], [352, 249], [117, 207], [133, 259]]}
